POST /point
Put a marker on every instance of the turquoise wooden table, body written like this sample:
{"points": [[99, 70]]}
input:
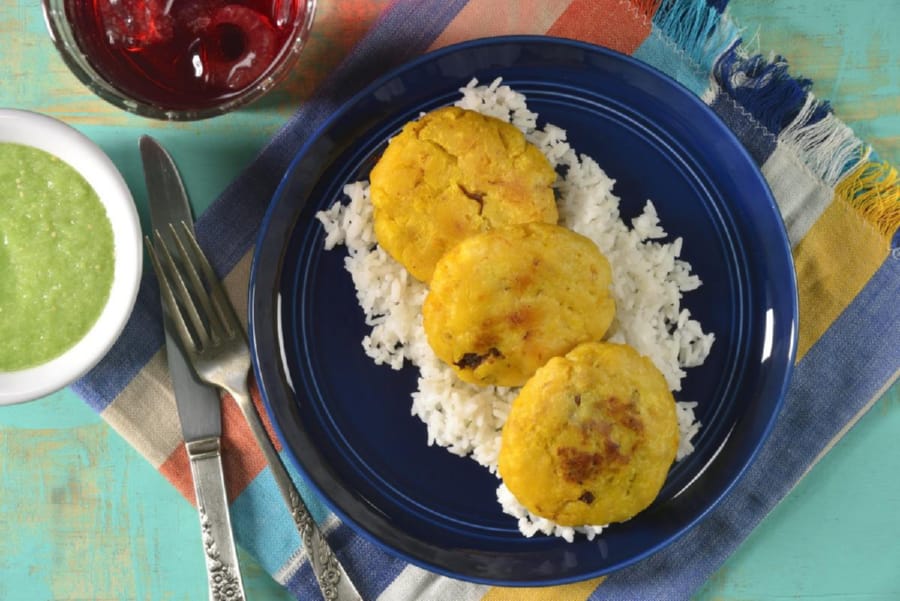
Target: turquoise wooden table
{"points": [[84, 517]]}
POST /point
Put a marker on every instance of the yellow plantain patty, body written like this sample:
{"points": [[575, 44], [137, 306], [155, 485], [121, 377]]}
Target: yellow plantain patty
{"points": [[503, 302], [591, 437], [450, 174]]}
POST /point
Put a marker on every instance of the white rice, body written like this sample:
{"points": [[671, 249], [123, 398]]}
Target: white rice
{"points": [[648, 282]]}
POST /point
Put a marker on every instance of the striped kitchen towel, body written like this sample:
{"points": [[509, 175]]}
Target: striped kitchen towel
{"points": [[841, 206]]}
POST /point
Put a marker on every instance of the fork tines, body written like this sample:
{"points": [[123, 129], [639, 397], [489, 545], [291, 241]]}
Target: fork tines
{"points": [[186, 278]]}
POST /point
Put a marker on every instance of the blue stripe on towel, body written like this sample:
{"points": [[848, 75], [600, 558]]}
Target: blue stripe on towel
{"points": [[656, 50], [686, 40], [262, 523], [758, 141], [371, 568], [719, 5], [765, 89], [264, 528], [823, 397]]}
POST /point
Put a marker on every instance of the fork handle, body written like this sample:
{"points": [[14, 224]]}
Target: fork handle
{"points": [[333, 580], [222, 570]]}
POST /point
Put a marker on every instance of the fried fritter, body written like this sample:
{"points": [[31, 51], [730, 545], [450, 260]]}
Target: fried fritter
{"points": [[450, 174], [503, 302], [591, 437]]}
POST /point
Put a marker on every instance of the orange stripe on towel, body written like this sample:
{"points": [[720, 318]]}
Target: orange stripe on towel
{"points": [[484, 18], [241, 458], [588, 21]]}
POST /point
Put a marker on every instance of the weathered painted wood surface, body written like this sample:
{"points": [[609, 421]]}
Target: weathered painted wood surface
{"points": [[83, 517]]}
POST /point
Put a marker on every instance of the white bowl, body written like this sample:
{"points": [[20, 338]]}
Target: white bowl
{"points": [[68, 144]]}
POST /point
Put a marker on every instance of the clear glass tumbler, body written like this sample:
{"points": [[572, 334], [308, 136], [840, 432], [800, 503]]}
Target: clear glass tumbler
{"points": [[179, 59]]}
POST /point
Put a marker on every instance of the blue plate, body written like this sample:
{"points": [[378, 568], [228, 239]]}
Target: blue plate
{"points": [[346, 422]]}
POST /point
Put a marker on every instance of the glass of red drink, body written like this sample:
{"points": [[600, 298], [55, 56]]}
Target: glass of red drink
{"points": [[179, 59]]}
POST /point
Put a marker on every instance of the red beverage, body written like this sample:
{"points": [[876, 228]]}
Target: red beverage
{"points": [[186, 55]]}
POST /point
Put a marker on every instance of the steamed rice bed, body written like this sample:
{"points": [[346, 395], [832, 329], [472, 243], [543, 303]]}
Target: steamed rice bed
{"points": [[649, 280]]}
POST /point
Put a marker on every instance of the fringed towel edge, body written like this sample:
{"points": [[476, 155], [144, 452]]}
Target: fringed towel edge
{"points": [[645, 9], [765, 88], [784, 105], [873, 190], [699, 30], [826, 145]]}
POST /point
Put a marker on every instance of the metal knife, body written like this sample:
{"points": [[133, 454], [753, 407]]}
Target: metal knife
{"points": [[199, 406]]}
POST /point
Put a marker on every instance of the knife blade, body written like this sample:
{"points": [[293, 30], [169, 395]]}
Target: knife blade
{"points": [[199, 406]]}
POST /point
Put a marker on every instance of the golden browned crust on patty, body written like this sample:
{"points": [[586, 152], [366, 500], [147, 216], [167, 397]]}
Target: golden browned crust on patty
{"points": [[503, 302], [591, 436], [450, 174]]}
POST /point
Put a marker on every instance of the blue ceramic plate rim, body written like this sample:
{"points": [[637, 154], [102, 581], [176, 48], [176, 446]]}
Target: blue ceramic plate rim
{"points": [[266, 346]]}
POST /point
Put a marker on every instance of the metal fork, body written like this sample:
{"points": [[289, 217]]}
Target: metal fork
{"points": [[215, 344]]}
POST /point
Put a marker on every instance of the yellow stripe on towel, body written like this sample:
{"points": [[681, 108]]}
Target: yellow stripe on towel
{"points": [[835, 259], [578, 591], [873, 190]]}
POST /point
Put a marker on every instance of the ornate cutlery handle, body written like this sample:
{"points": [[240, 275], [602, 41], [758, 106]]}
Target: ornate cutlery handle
{"points": [[222, 569], [333, 580], [331, 576]]}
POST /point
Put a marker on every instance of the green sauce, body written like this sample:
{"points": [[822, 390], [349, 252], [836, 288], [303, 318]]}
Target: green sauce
{"points": [[56, 256]]}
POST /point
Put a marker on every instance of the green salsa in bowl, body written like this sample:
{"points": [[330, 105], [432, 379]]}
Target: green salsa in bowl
{"points": [[70, 255]]}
